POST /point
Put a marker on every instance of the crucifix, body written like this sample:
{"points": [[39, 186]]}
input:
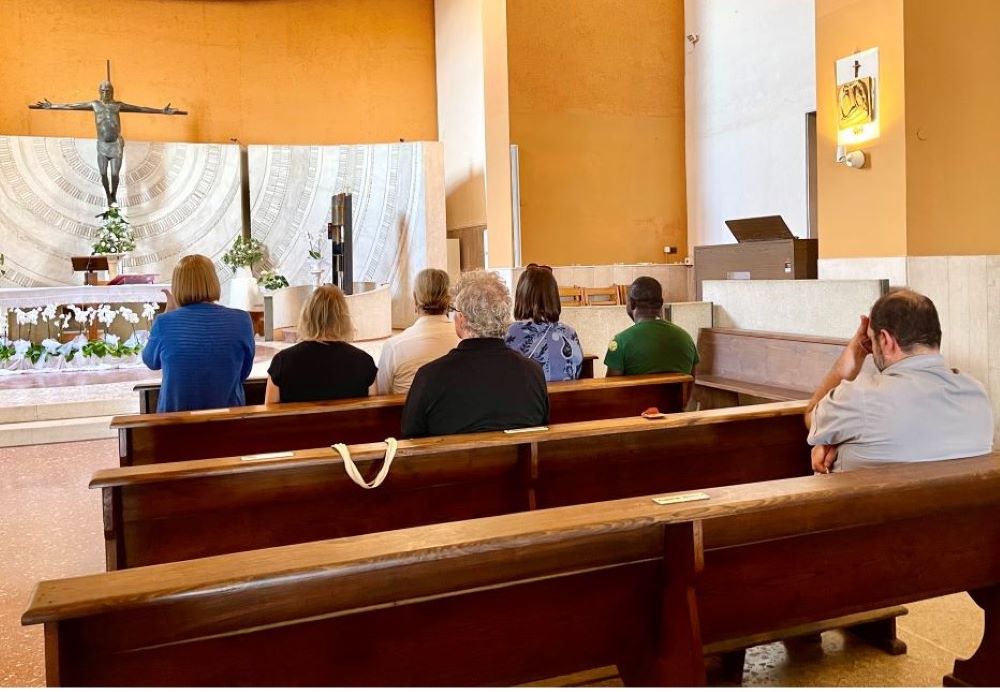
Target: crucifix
{"points": [[110, 144]]}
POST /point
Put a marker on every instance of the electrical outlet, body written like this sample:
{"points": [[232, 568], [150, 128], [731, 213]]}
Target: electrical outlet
{"points": [[670, 249]]}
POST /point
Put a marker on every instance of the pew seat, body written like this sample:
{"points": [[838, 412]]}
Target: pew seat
{"points": [[643, 583], [163, 437]]}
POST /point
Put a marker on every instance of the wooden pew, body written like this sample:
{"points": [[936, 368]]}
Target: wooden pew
{"points": [[182, 510], [253, 388], [500, 600], [162, 437], [738, 367]]}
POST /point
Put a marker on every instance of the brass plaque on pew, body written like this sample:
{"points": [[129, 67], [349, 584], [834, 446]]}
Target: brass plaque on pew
{"points": [[676, 499]]}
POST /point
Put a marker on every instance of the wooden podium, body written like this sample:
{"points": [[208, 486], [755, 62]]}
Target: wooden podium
{"points": [[91, 264], [765, 249]]}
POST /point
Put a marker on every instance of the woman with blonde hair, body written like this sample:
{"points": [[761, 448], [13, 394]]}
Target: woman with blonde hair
{"points": [[430, 337], [205, 350], [322, 365]]}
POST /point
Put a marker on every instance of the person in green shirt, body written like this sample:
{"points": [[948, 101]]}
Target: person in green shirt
{"points": [[651, 345]]}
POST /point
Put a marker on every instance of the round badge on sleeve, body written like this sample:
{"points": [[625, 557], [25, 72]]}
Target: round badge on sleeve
{"points": [[613, 346]]}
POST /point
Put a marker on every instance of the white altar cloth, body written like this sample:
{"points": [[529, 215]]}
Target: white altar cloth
{"points": [[81, 295]]}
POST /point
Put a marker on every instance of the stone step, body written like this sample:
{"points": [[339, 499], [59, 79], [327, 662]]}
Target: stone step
{"points": [[29, 413], [49, 431]]}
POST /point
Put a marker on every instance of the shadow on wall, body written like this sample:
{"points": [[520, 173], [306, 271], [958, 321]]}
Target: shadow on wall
{"points": [[465, 210]]}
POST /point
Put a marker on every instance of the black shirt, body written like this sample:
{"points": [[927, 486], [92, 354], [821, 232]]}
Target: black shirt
{"points": [[479, 386], [320, 370]]}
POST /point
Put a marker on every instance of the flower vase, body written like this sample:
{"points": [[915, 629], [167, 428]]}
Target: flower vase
{"points": [[244, 294], [318, 269], [114, 264]]}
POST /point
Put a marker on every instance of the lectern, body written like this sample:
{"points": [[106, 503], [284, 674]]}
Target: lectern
{"points": [[91, 264], [765, 249]]}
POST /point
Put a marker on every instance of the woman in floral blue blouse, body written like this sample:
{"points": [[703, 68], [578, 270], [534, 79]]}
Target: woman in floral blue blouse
{"points": [[538, 333]]}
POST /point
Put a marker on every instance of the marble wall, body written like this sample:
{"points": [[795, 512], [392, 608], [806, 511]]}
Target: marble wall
{"points": [[179, 198], [399, 223], [817, 307]]}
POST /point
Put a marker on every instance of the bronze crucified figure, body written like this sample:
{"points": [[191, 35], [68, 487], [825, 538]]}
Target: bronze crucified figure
{"points": [[110, 145]]}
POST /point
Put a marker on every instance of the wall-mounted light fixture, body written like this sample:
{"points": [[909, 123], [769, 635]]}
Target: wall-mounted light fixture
{"points": [[851, 159]]}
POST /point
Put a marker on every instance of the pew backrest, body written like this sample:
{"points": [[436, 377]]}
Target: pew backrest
{"points": [[163, 437], [183, 510], [764, 366], [254, 388], [643, 583]]}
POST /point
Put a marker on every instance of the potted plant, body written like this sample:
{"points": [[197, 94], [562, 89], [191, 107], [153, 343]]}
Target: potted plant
{"points": [[241, 257], [243, 291], [271, 281], [114, 238]]}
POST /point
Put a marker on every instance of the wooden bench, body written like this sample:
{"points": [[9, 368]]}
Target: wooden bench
{"points": [[500, 600], [254, 387], [162, 437], [739, 367], [189, 509]]}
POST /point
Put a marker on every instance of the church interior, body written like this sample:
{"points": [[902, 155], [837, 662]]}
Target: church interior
{"points": [[743, 179]]}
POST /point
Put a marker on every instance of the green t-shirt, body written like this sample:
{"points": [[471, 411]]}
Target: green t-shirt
{"points": [[652, 346]]}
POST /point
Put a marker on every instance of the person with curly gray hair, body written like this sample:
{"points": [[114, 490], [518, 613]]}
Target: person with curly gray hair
{"points": [[481, 385]]}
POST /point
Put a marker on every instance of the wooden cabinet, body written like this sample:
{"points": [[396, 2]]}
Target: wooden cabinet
{"points": [[759, 259]]}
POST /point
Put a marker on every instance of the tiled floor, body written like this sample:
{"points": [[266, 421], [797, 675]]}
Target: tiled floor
{"points": [[50, 526]]}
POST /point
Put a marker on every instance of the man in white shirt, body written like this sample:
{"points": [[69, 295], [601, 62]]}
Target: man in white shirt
{"points": [[912, 408], [430, 337]]}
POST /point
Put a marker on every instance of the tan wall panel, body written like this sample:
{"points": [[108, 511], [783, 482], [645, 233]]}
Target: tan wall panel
{"points": [[283, 71], [953, 137], [597, 110], [862, 213]]}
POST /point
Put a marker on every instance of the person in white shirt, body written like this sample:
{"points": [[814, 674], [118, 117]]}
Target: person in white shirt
{"points": [[430, 337]]}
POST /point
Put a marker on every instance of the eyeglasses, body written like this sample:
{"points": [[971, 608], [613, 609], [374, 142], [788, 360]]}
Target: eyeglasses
{"points": [[539, 266], [452, 310]]}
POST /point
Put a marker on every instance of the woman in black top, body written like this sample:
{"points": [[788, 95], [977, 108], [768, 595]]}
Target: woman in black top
{"points": [[322, 365]]}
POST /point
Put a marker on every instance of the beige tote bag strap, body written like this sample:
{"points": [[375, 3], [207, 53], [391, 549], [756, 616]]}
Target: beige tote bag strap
{"points": [[352, 469]]}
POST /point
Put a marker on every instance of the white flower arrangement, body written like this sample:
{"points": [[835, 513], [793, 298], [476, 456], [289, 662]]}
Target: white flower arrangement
{"points": [[22, 354], [149, 311], [114, 237]]}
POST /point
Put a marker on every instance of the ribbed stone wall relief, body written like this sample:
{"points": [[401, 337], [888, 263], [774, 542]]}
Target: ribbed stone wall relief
{"points": [[398, 201], [180, 199]]}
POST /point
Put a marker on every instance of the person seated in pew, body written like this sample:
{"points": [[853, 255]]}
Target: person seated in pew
{"points": [[651, 345], [322, 365], [427, 339], [481, 385], [205, 350], [913, 407], [538, 334]]}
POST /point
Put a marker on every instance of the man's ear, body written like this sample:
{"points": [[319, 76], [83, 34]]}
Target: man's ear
{"points": [[887, 342]]}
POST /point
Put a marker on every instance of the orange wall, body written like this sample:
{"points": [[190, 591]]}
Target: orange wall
{"points": [[953, 127], [861, 213], [597, 109], [262, 71]]}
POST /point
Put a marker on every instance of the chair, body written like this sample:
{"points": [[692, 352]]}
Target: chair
{"points": [[571, 296], [623, 294], [601, 296]]}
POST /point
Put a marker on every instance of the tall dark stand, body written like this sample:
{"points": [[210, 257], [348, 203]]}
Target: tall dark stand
{"points": [[340, 232]]}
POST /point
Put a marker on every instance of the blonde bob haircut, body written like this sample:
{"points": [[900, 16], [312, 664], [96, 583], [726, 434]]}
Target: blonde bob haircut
{"points": [[195, 281], [325, 316]]}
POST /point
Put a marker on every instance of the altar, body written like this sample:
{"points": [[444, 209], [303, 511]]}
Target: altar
{"points": [[39, 297]]}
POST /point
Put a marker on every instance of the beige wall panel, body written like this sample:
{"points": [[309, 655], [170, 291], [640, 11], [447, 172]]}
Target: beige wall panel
{"points": [[929, 275], [821, 308]]}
